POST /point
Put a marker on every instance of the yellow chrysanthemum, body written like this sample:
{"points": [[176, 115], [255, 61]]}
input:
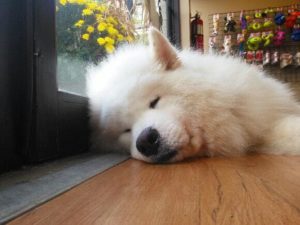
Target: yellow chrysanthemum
{"points": [[112, 20], [112, 31], [101, 41], [87, 12], [101, 8], [109, 48], [120, 37], [79, 23], [109, 24], [90, 29], [99, 17], [101, 26], [109, 40], [63, 2], [129, 38], [81, 2], [85, 37], [92, 5]]}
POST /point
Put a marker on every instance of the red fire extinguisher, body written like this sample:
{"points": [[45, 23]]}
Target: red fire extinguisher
{"points": [[197, 33]]}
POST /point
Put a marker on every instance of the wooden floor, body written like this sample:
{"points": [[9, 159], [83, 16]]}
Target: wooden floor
{"points": [[254, 190]]}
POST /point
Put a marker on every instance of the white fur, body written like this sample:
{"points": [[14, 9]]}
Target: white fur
{"points": [[209, 104]]}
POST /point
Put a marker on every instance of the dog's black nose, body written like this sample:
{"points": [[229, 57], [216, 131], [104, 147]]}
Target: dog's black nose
{"points": [[148, 142]]}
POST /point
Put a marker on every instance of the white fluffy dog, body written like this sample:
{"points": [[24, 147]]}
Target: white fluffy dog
{"points": [[162, 105]]}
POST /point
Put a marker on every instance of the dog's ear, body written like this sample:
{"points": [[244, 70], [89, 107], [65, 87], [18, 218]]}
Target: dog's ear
{"points": [[163, 51]]}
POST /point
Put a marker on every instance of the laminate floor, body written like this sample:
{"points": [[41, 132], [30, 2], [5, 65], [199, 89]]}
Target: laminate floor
{"points": [[256, 189]]}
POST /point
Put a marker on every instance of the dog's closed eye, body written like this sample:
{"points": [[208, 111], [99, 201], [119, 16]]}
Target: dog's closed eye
{"points": [[154, 102], [127, 130]]}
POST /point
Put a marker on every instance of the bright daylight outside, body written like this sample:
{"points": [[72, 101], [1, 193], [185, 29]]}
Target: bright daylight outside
{"points": [[89, 30]]}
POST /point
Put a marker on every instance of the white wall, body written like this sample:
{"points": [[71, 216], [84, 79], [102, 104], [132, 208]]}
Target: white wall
{"points": [[185, 23]]}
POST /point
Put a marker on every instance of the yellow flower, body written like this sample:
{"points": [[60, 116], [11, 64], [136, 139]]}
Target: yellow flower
{"points": [[87, 12], [85, 37], [101, 41], [109, 40], [90, 29], [109, 48], [92, 5], [120, 37], [99, 17], [112, 31], [79, 23], [71, 1], [112, 20], [63, 2], [129, 38], [101, 26], [101, 8], [80, 2]]}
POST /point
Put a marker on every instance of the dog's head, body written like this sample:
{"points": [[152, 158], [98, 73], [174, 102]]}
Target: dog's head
{"points": [[138, 102]]}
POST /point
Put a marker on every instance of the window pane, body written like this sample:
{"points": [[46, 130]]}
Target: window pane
{"points": [[89, 30]]}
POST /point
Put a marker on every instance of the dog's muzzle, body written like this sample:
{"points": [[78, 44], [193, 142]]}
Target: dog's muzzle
{"points": [[150, 144]]}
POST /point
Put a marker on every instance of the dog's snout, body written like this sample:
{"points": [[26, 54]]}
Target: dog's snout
{"points": [[148, 142]]}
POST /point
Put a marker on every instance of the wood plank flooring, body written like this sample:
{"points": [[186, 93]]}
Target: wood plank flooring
{"points": [[254, 190]]}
